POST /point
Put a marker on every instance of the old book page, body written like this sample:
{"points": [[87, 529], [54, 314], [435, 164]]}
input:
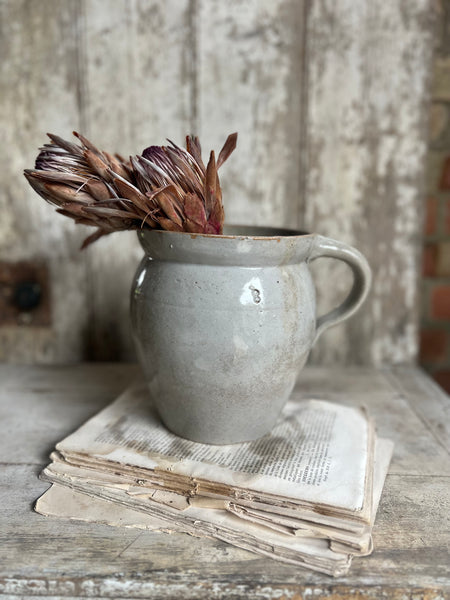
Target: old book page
{"points": [[110, 508], [65, 502], [61, 501], [319, 453], [359, 542], [143, 498]]}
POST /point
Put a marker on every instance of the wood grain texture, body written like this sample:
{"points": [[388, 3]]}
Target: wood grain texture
{"points": [[250, 80], [136, 92], [435, 413], [330, 101], [368, 69], [39, 84], [56, 558]]}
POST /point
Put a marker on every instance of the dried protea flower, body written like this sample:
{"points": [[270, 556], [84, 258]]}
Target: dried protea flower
{"points": [[165, 188], [79, 179], [185, 195]]}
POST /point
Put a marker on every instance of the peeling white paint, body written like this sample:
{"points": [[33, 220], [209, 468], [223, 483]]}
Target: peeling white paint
{"points": [[368, 76], [345, 121]]}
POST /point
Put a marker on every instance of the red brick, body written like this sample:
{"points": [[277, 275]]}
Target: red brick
{"points": [[447, 218], [440, 302], [433, 346], [429, 260], [442, 263], [430, 216], [443, 379], [444, 183]]}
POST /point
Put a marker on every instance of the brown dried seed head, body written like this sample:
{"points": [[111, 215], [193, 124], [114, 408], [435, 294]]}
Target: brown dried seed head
{"points": [[168, 188], [97, 165], [193, 227], [72, 209], [194, 209], [211, 229], [116, 166], [228, 147], [86, 143], [80, 220], [149, 221], [98, 189], [217, 215], [127, 190], [106, 211], [70, 147], [169, 225], [211, 173], [195, 150], [168, 206], [65, 193]]}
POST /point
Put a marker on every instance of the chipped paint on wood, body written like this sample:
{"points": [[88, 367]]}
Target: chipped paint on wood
{"points": [[137, 93], [250, 81], [39, 93], [329, 99], [368, 74]]}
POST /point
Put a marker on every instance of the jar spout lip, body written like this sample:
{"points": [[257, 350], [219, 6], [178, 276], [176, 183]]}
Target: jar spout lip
{"points": [[260, 231], [240, 245]]}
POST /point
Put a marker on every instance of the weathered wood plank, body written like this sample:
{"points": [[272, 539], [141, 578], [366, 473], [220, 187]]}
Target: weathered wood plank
{"points": [[63, 398], [39, 82], [368, 68], [53, 402], [410, 553], [47, 557], [136, 92], [100, 378], [404, 403], [250, 80], [427, 399]]}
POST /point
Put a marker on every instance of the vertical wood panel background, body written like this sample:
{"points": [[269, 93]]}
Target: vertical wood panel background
{"points": [[330, 100], [368, 76]]}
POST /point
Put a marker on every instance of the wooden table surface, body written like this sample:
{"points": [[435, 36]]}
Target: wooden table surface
{"points": [[54, 558]]}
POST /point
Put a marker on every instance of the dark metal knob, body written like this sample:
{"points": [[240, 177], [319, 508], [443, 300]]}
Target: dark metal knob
{"points": [[27, 295]]}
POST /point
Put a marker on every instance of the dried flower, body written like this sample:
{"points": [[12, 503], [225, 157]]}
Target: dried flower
{"points": [[168, 187]]}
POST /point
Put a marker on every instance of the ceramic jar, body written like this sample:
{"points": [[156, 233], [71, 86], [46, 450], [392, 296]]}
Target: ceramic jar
{"points": [[223, 324]]}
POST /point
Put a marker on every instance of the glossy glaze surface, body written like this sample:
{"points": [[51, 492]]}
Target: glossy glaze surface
{"points": [[223, 324]]}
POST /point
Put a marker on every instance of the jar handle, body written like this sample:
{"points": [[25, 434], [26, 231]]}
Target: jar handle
{"points": [[327, 247]]}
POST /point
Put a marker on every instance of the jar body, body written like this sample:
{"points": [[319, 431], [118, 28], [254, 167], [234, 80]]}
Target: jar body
{"points": [[221, 345]]}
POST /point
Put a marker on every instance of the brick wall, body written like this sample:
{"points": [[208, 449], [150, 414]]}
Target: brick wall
{"points": [[435, 334]]}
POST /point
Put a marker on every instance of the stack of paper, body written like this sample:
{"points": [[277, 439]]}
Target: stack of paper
{"points": [[307, 493]]}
